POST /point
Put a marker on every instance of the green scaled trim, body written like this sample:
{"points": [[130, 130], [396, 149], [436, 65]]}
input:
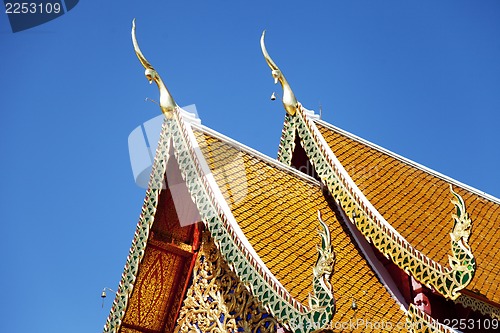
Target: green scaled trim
{"points": [[447, 281], [287, 141], [136, 253], [274, 298]]}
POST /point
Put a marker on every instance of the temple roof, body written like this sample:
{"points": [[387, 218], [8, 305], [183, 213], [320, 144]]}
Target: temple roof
{"points": [[416, 202], [286, 235], [276, 208]]}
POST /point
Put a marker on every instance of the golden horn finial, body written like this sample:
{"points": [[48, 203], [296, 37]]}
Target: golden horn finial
{"points": [[167, 103], [289, 101]]}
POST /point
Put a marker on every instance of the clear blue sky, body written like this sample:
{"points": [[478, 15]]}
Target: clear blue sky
{"points": [[421, 78]]}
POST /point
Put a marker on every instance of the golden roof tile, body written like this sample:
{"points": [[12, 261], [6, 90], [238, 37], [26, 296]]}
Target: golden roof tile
{"points": [[277, 211], [416, 202]]}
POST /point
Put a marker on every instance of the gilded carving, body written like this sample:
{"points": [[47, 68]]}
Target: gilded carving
{"points": [[289, 101], [446, 280], [272, 296], [137, 250], [167, 103], [156, 182], [275, 298], [480, 306], [218, 302], [153, 286]]}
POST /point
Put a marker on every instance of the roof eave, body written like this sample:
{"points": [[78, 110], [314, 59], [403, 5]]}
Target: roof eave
{"points": [[363, 214]]}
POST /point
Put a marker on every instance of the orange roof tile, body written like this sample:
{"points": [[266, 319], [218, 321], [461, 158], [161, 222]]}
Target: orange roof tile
{"points": [[417, 203], [277, 210]]}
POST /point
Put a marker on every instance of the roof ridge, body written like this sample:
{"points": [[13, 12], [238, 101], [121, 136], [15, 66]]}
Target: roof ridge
{"points": [[257, 153], [409, 161]]}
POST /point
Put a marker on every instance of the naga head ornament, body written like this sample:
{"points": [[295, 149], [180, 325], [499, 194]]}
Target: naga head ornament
{"points": [[289, 101], [150, 75], [167, 103]]}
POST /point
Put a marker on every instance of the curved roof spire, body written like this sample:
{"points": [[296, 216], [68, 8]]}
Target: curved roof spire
{"points": [[167, 103], [289, 101]]}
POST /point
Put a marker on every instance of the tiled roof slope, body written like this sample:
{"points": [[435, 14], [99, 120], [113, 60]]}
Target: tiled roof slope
{"points": [[276, 207], [416, 202]]}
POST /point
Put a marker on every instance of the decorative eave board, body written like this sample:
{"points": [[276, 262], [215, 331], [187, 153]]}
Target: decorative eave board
{"points": [[277, 214], [305, 124], [227, 235]]}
